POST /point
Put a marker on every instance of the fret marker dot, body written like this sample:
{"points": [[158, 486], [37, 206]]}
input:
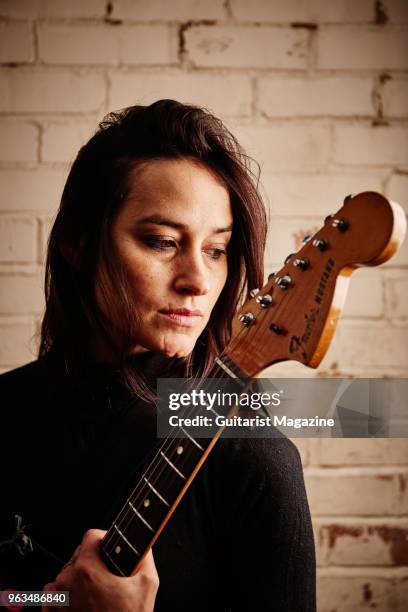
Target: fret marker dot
{"points": [[179, 450], [146, 502], [117, 550]]}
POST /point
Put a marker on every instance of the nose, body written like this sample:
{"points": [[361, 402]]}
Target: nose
{"points": [[192, 275]]}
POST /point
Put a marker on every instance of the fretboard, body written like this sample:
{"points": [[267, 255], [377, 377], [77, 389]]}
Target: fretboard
{"points": [[160, 489]]}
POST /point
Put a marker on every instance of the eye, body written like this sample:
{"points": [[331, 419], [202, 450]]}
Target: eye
{"points": [[216, 252], [160, 243]]}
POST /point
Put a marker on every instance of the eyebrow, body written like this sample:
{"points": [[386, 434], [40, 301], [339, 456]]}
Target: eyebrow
{"points": [[159, 220]]}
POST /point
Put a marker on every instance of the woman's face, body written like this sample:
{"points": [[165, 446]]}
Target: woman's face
{"points": [[171, 236]]}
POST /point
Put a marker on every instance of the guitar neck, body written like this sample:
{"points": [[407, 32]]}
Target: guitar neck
{"points": [[160, 489]]}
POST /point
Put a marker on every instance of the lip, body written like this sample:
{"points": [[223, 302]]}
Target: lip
{"points": [[182, 317]]}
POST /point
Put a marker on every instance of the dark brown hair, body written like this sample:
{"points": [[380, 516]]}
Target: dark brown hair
{"points": [[80, 238]]}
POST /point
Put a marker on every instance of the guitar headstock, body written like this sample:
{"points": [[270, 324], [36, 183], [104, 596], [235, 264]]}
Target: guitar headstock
{"points": [[294, 316]]}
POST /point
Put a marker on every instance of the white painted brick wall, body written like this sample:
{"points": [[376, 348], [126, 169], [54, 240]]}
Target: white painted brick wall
{"points": [[359, 491], [60, 9], [395, 98], [17, 239], [302, 195], [61, 141], [16, 345], [311, 11], [31, 190], [44, 91], [21, 294], [314, 97], [105, 44], [278, 147], [247, 47], [362, 49], [16, 42], [317, 92], [365, 146], [18, 141], [177, 10], [209, 90]]}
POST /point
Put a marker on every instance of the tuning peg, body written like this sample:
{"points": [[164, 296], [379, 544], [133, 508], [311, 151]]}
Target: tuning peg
{"points": [[270, 276], [288, 258], [264, 300], [284, 282], [322, 245], [306, 239], [302, 263], [254, 292], [328, 218], [246, 318], [341, 224], [348, 197]]}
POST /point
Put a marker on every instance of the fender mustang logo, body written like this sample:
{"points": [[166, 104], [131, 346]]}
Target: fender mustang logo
{"points": [[299, 343]]}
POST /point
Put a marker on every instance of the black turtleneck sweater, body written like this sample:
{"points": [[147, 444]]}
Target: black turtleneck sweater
{"points": [[72, 448]]}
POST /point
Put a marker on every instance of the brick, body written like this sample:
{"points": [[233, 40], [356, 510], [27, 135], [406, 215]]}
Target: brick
{"points": [[31, 190], [315, 195], [396, 293], [39, 91], [380, 145], [397, 11], [395, 98], [177, 10], [285, 236], [101, 44], [18, 141], [16, 344], [62, 141], [365, 296], [16, 43], [311, 11], [17, 239], [313, 97], [348, 542], [294, 146], [21, 294], [358, 451], [355, 491], [228, 95], [258, 47], [397, 189], [351, 589], [364, 346], [52, 8], [302, 444], [46, 224], [370, 49]]}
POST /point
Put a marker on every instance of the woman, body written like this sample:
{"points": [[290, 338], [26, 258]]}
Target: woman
{"points": [[160, 233]]}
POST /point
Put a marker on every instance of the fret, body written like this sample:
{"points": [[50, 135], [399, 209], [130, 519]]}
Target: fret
{"points": [[229, 371], [192, 439], [122, 535], [172, 465], [140, 516], [156, 492], [114, 564]]}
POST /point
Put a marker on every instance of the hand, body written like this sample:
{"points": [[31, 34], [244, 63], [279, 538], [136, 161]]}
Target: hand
{"points": [[93, 587]]}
